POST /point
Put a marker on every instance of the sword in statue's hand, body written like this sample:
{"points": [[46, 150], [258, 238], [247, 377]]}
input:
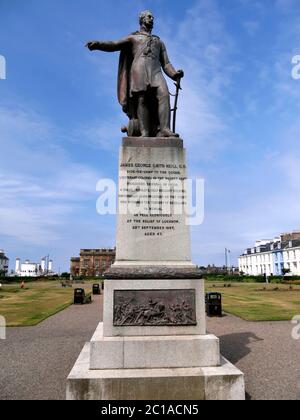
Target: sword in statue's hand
{"points": [[178, 88]]}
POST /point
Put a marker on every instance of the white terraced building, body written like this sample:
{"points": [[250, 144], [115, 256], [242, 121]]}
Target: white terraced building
{"points": [[30, 269], [273, 257]]}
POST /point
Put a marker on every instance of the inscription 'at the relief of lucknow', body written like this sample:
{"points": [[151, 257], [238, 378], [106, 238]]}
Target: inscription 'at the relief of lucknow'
{"points": [[154, 308]]}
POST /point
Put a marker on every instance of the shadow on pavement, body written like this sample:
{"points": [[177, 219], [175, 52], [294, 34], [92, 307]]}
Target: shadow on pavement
{"points": [[236, 346], [248, 397]]}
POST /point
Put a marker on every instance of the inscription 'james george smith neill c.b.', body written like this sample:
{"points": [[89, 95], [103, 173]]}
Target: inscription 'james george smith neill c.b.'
{"points": [[142, 90]]}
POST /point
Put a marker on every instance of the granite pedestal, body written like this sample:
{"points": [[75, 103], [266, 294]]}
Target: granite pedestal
{"points": [[153, 344]]}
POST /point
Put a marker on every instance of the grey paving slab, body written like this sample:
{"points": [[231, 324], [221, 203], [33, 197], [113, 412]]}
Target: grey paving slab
{"points": [[35, 361], [265, 352]]}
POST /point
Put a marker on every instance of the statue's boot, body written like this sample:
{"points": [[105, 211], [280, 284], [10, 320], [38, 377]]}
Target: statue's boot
{"points": [[144, 129], [145, 133], [167, 133]]}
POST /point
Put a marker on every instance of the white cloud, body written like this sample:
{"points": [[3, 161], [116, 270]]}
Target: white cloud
{"points": [[31, 224], [41, 188], [101, 134], [202, 47], [22, 123], [34, 211]]}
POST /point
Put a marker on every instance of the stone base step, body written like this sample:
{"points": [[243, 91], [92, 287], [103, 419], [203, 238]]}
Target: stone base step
{"points": [[224, 382], [153, 351]]}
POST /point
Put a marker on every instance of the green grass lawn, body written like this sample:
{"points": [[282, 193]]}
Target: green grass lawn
{"points": [[252, 303], [39, 300], [36, 302]]}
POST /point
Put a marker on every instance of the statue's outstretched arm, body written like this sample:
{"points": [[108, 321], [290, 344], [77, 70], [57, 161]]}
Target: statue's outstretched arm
{"points": [[108, 46], [167, 66]]}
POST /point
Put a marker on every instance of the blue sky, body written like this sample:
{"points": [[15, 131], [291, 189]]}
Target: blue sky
{"points": [[60, 119]]}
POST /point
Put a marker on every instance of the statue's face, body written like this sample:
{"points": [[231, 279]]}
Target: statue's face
{"points": [[148, 20]]}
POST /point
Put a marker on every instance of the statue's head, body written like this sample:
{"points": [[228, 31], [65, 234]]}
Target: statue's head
{"points": [[147, 19]]}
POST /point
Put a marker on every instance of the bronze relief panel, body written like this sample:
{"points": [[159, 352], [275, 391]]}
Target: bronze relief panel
{"points": [[154, 308]]}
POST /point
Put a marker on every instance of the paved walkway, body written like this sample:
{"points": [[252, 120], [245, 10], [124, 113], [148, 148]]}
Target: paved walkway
{"points": [[265, 352], [35, 361]]}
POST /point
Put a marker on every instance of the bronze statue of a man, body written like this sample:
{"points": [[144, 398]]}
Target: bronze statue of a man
{"points": [[142, 90]]}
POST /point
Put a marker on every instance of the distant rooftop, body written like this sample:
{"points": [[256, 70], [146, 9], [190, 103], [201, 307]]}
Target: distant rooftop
{"points": [[100, 250], [284, 241]]}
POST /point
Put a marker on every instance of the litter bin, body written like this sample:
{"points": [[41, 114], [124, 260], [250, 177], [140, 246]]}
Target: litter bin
{"points": [[96, 289], [79, 296], [213, 304]]}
